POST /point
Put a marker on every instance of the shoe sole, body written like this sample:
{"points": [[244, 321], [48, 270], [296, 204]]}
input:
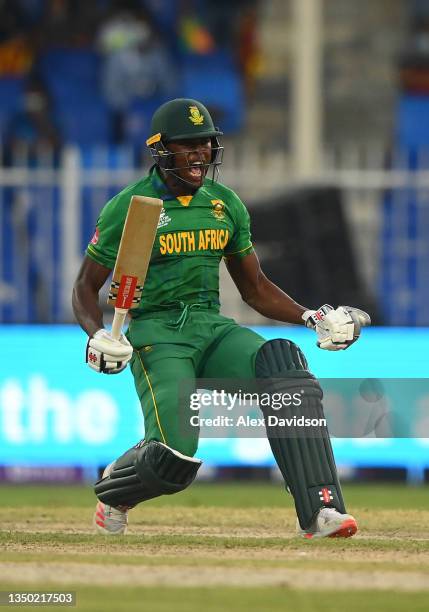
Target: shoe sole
{"points": [[347, 529]]}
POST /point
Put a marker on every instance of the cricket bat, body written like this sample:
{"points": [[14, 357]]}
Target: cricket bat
{"points": [[133, 258]]}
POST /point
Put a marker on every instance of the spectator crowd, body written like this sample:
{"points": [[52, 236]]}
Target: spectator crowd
{"points": [[90, 72]]}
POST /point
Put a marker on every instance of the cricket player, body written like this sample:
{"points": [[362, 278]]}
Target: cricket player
{"points": [[176, 332]]}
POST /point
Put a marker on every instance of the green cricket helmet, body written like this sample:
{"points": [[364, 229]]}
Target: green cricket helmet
{"points": [[182, 119]]}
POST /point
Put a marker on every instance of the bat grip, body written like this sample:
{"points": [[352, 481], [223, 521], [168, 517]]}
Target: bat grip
{"points": [[118, 321]]}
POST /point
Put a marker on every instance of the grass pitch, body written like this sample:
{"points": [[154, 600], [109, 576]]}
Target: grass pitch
{"points": [[218, 547]]}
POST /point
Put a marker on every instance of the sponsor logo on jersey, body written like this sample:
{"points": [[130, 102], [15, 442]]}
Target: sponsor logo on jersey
{"points": [[164, 219], [95, 237], [218, 211], [187, 242], [196, 117]]}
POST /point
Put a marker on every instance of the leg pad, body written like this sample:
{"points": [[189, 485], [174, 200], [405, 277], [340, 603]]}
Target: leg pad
{"points": [[147, 470], [303, 454]]}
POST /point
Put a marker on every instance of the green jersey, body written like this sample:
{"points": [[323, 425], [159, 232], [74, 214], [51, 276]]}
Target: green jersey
{"points": [[194, 233]]}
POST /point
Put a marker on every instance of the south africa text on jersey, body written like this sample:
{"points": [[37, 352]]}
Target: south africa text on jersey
{"points": [[201, 240]]}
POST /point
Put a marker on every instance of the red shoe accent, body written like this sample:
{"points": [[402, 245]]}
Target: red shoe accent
{"points": [[101, 524], [347, 529]]}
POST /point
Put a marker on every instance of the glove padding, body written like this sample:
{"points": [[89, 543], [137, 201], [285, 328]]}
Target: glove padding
{"points": [[104, 354], [336, 329]]}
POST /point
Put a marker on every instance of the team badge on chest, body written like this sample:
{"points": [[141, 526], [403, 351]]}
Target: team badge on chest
{"points": [[218, 210]]}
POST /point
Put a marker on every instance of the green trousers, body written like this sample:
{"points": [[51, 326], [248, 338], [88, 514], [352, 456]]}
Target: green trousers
{"points": [[188, 343]]}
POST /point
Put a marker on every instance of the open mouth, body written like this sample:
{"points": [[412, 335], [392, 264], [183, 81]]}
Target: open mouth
{"points": [[196, 171]]}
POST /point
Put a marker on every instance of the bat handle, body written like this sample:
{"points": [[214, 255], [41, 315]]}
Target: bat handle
{"points": [[118, 321]]}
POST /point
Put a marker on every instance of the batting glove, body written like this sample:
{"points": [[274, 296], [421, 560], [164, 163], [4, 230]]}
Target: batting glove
{"points": [[336, 329], [104, 354]]}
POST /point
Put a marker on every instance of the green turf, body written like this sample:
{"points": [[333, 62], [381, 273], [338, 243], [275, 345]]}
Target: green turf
{"points": [[234, 533], [137, 543], [194, 561], [275, 599], [232, 495]]}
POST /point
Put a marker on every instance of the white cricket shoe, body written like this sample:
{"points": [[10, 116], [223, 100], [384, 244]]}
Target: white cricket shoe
{"points": [[329, 523], [107, 519]]}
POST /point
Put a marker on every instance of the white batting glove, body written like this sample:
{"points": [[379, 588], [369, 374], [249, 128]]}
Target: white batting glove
{"points": [[336, 329], [104, 354]]}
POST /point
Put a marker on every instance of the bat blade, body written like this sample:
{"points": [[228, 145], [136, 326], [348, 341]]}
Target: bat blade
{"points": [[132, 262]]}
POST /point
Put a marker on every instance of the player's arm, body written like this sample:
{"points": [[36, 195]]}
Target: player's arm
{"points": [[262, 294], [103, 353], [336, 329], [86, 307]]}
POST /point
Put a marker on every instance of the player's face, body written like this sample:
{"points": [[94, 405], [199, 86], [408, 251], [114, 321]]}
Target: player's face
{"points": [[192, 159]]}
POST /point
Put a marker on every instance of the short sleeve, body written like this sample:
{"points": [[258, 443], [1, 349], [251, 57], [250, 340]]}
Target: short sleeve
{"points": [[104, 245], [240, 244]]}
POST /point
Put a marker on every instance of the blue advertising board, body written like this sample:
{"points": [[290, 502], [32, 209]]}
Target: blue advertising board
{"points": [[54, 410]]}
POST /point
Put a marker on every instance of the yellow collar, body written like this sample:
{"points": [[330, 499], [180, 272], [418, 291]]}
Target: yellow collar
{"points": [[185, 200]]}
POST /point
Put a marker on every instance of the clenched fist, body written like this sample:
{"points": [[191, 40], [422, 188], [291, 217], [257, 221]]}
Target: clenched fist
{"points": [[104, 354], [336, 329]]}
